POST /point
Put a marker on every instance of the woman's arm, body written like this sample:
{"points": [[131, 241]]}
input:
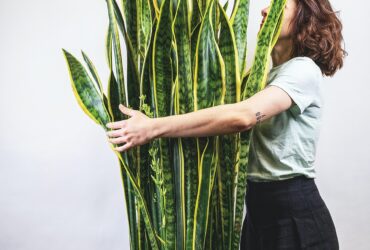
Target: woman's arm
{"points": [[224, 119]]}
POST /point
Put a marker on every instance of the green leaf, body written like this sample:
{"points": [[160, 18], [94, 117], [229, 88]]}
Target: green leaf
{"points": [[88, 97], [108, 46], [96, 77], [113, 97], [140, 202], [132, 16], [196, 16], [186, 170], [209, 90], [239, 21], [145, 28], [162, 89], [266, 35], [130, 206], [133, 77], [117, 58], [228, 143]]}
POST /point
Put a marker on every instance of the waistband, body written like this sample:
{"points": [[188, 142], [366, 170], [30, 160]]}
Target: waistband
{"points": [[294, 182]]}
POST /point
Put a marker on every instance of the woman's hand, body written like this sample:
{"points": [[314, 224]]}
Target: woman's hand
{"points": [[135, 131]]}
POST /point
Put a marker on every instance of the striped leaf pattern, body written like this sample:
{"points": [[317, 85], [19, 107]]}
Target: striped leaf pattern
{"points": [[88, 97], [228, 143], [162, 89], [181, 56], [187, 182], [209, 90]]}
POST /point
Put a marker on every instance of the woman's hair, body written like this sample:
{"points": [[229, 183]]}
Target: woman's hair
{"points": [[317, 33]]}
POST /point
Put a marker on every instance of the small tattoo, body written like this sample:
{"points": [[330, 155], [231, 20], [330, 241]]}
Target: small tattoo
{"points": [[259, 117]]}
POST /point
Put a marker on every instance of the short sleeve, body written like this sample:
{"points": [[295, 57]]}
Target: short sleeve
{"points": [[299, 79]]}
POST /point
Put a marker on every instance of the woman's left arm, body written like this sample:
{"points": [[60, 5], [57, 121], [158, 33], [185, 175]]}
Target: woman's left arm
{"points": [[222, 119]]}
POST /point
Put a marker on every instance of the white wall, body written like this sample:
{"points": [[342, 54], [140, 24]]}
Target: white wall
{"points": [[60, 185]]}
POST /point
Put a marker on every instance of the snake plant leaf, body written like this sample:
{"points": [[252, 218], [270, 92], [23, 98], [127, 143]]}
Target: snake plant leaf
{"points": [[226, 5], [133, 89], [113, 102], [131, 156], [239, 21], [108, 46], [141, 202], [130, 205], [191, 185], [175, 5], [88, 97], [277, 30], [117, 57], [154, 195], [214, 232], [228, 49], [132, 14], [183, 41], [178, 162], [196, 16], [113, 97], [144, 180], [141, 234], [203, 4], [178, 165], [209, 90], [96, 77], [241, 186], [177, 153], [184, 104], [145, 29], [147, 72], [194, 40], [141, 158], [228, 143], [93, 72], [265, 37], [117, 96], [133, 77], [216, 20], [156, 5], [245, 79], [162, 89], [241, 178]]}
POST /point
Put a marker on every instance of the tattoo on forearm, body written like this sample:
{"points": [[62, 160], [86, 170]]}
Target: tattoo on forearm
{"points": [[259, 117]]}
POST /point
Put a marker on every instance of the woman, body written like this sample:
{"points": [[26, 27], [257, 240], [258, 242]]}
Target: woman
{"points": [[284, 207]]}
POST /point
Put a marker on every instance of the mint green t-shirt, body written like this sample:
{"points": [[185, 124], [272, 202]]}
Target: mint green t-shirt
{"points": [[284, 145]]}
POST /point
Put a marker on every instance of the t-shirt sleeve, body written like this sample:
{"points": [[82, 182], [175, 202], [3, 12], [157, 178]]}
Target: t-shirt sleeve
{"points": [[299, 79]]}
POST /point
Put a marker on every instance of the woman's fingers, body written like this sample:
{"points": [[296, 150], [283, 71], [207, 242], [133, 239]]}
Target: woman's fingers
{"points": [[116, 125], [124, 147], [115, 133], [118, 140]]}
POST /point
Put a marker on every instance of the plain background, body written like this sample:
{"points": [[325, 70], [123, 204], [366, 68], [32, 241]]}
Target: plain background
{"points": [[60, 184]]}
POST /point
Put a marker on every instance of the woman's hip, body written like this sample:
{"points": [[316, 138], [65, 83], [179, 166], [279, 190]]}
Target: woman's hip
{"points": [[287, 214]]}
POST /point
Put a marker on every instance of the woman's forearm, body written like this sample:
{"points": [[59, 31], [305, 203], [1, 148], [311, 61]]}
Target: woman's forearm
{"points": [[221, 119]]}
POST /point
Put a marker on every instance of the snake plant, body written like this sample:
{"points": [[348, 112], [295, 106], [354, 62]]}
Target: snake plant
{"points": [[182, 56]]}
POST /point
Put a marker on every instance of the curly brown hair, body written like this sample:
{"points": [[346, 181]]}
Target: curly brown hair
{"points": [[317, 33]]}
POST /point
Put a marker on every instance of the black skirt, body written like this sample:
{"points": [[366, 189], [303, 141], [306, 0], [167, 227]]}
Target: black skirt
{"points": [[288, 214]]}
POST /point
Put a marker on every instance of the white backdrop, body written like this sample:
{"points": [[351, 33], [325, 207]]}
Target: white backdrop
{"points": [[60, 185]]}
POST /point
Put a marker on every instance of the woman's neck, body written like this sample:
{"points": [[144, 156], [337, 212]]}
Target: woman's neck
{"points": [[281, 51]]}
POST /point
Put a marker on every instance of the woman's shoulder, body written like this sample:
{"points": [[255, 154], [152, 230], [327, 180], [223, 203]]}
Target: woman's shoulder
{"points": [[303, 63], [299, 67]]}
